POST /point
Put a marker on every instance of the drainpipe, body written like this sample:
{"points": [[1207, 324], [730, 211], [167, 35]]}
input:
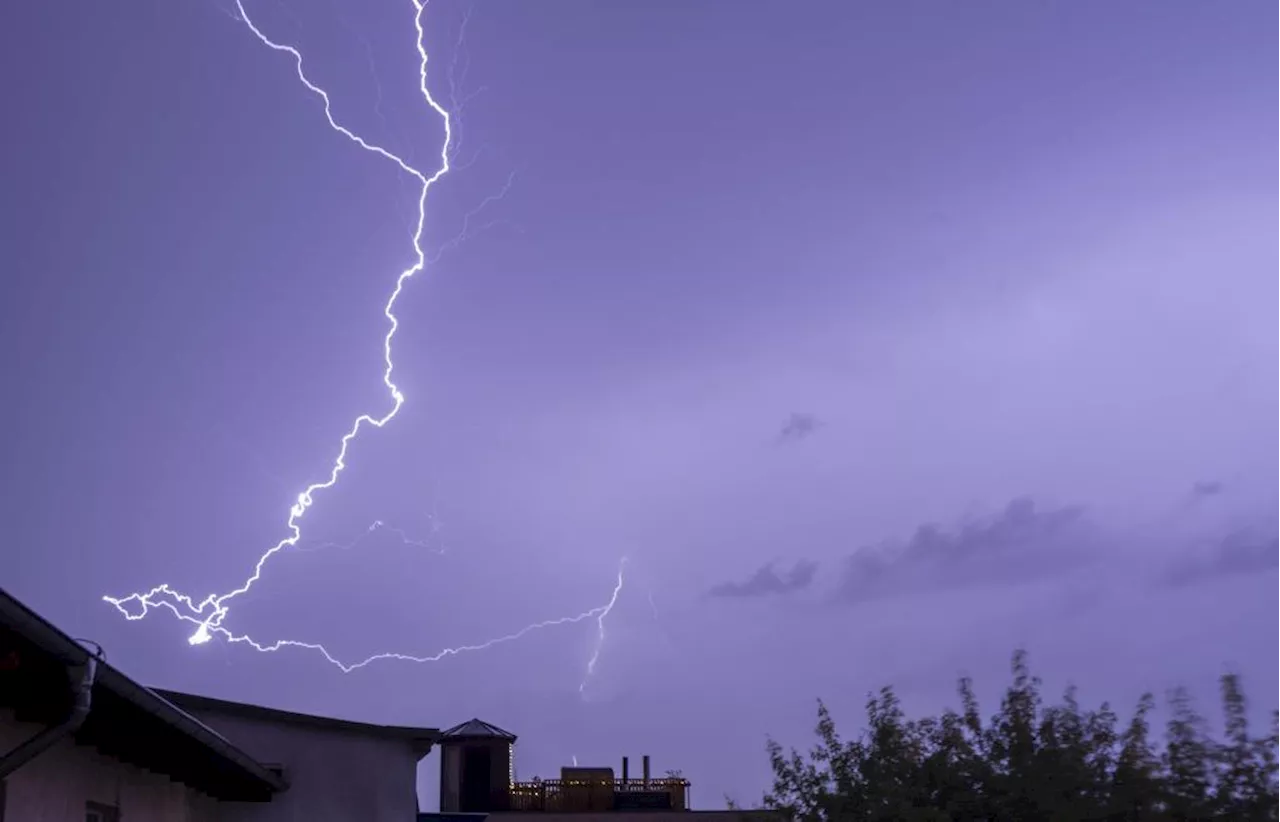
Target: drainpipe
{"points": [[82, 676]]}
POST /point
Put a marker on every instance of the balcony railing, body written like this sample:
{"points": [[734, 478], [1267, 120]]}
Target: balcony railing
{"points": [[567, 796]]}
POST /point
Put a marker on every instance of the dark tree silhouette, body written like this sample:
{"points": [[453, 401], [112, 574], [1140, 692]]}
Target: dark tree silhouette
{"points": [[1031, 762]]}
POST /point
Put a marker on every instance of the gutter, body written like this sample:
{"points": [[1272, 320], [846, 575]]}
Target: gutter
{"points": [[50, 640], [82, 676]]}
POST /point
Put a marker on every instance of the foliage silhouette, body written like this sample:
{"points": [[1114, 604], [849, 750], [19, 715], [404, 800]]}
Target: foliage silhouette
{"points": [[1030, 762]]}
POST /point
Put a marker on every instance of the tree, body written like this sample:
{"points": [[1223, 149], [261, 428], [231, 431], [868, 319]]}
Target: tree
{"points": [[1030, 762], [1188, 761], [1136, 793]]}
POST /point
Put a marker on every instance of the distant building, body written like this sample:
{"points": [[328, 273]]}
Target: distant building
{"points": [[477, 784]]}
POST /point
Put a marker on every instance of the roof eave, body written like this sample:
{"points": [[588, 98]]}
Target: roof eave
{"points": [[420, 738], [53, 641]]}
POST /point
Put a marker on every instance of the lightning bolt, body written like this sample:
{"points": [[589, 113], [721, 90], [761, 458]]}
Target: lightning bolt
{"points": [[600, 634], [599, 613], [209, 614]]}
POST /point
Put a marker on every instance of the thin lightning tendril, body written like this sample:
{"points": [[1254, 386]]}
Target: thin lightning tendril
{"points": [[600, 635], [209, 614], [376, 526]]}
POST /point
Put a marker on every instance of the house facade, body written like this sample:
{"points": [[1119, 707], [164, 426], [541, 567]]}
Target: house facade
{"points": [[82, 742], [73, 783]]}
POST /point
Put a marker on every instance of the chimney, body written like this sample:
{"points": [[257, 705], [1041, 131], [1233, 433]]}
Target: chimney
{"points": [[624, 771], [644, 767]]}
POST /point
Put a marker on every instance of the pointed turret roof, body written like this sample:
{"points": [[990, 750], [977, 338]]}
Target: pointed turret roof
{"points": [[477, 729]]}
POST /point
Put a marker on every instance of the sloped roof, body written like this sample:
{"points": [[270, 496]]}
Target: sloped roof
{"points": [[477, 729], [207, 708], [126, 721]]}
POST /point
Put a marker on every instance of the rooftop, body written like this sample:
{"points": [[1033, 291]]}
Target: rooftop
{"points": [[421, 738], [126, 720], [477, 729]]}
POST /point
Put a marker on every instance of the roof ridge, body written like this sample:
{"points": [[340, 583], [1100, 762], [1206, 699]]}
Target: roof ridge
{"points": [[477, 727]]}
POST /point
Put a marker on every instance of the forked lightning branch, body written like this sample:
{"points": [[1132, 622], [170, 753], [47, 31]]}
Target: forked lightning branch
{"points": [[208, 616]]}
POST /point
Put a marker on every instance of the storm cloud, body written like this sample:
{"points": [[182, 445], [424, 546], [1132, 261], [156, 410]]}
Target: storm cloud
{"points": [[1022, 543], [768, 580], [1240, 552]]}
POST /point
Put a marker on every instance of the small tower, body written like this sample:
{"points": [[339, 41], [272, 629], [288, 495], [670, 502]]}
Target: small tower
{"points": [[475, 768]]}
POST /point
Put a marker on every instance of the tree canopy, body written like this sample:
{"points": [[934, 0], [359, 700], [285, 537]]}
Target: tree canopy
{"points": [[1031, 761]]}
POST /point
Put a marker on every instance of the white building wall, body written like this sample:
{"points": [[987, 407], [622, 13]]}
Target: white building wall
{"points": [[55, 786], [333, 774]]}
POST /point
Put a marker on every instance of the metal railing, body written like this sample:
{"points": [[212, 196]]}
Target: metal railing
{"points": [[574, 795]]}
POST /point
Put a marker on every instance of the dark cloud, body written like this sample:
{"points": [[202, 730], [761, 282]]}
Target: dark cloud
{"points": [[798, 426], [767, 580], [1020, 544], [1207, 488], [1238, 553], [1204, 493]]}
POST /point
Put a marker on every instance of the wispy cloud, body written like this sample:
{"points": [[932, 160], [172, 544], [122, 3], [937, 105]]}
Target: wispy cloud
{"points": [[1021, 543], [768, 580], [798, 426], [1240, 552]]}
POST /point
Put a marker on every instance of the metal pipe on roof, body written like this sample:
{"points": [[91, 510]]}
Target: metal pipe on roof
{"points": [[82, 676]]}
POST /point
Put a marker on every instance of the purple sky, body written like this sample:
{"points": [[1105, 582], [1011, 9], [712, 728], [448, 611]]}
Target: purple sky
{"points": [[769, 284]]}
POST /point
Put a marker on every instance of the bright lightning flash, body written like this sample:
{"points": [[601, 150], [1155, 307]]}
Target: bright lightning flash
{"points": [[209, 614]]}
